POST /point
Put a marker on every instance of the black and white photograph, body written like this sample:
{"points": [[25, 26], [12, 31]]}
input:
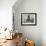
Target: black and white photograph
{"points": [[28, 18]]}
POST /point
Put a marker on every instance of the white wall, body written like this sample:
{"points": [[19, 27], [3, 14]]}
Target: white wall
{"points": [[6, 13], [43, 22], [31, 32], [26, 6]]}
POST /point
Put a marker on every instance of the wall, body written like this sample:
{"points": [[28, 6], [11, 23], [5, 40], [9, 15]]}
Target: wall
{"points": [[29, 32], [26, 6], [6, 13], [43, 22]]}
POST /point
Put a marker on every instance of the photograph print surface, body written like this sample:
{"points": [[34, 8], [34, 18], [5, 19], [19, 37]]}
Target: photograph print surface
{"points": [[28, 18]]}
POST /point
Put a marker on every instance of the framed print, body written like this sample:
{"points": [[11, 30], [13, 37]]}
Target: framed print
{"points": [[28, 18]]}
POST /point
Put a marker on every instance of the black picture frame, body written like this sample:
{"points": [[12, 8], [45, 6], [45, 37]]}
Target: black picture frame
{"points": [[29, 19]]}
